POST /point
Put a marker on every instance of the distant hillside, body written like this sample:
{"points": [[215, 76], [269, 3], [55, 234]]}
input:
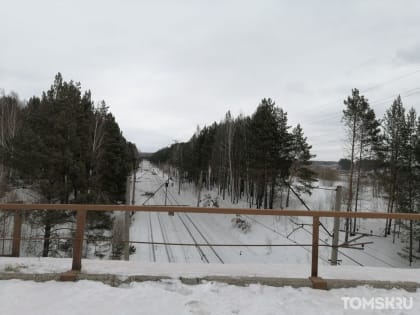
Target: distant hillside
{"points": [[329, 164], [145, 155]]}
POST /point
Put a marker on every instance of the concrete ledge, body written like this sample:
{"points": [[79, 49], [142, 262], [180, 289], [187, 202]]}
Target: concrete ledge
{"points": [[37, 277], [340, 283], [273, 282], [116, 280]]}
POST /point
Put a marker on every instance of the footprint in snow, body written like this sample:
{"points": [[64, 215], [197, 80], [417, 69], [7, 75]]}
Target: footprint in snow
{"points": [[171, 287], [197, 308]]}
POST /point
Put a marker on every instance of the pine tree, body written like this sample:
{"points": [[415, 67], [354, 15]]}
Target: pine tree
{"points": [[269, 151], [393, 125], [408, 181], [71, 152], [354, 114], [301, 176], [249, 156]]}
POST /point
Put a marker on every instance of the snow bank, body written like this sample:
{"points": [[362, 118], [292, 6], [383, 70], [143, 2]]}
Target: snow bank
{"points": [[173, 297]]}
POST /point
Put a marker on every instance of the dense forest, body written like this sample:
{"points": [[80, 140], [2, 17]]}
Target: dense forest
{"points": [[246, 157], [65, 148]]}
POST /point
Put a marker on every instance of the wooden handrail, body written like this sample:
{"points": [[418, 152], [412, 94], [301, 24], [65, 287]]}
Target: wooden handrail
{"points": [[246, 211], [82, 209]]}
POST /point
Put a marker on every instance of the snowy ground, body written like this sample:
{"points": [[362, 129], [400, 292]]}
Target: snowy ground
{"points": [[268, 230], [173, 297]]}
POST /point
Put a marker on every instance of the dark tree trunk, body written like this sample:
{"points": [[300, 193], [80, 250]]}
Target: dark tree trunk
{"points": [[47, 235]]}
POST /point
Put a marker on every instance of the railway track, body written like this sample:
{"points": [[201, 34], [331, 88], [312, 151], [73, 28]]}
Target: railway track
{"points": [[284, 236], [205, 239], [168, 249], [192, 229], [152, 246]]}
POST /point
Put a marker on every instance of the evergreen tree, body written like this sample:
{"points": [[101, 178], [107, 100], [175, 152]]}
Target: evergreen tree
{"points": [[71, 152], [246, 156], [359, 121], [393, 125], [301, 176]]}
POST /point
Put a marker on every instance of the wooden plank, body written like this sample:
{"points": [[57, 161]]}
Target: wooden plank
{"points": [[78, 240], [276, 212], [315, 242]]}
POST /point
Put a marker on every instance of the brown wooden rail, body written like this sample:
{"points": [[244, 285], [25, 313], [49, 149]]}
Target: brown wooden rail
{"points": [[82, 209]]}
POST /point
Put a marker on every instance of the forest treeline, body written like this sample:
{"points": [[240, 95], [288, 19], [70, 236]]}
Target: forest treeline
{"points": [[67, 149], [250, 157], [388, 151], [262, 159]]}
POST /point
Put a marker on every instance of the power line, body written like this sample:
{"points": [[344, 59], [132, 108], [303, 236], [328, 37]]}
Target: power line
{"points": [[333, 116], [373, 87], [391, 80]]}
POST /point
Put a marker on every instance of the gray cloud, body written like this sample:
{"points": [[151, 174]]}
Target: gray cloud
{"points": [[410, 54], [165, 67]]}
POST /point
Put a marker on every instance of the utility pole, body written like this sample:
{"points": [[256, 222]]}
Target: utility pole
{"points": [[133, 198], [166, 191], [200, 180], [171, 213], [334, 250]]}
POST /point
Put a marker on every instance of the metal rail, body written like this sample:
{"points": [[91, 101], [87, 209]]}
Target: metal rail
{"points": [[199, 249], [168, 250], [151, 237], [168, 193], [204, 238]]}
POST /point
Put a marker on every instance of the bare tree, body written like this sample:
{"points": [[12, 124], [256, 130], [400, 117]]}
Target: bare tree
{"points": [[10, 107]]}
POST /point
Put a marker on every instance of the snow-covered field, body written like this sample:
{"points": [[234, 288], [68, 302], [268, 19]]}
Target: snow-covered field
{"points": [[266, 230]]}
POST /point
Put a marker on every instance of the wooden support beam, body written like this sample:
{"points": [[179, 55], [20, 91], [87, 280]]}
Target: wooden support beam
{"points": [[315, 242], [318, 283], [78, 240], [17, 233], [336, 233]]}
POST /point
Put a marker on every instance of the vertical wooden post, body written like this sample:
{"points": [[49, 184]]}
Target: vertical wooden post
{"points": [[127, 220], [78, 240], [334, 250], [133, 193], [17, 233], [315, 242]]}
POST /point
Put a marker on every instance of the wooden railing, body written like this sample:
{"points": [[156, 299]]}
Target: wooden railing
{"points": [[81, 211]]}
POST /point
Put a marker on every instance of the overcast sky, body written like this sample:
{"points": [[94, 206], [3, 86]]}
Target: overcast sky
{"points": [[165, 67]]}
